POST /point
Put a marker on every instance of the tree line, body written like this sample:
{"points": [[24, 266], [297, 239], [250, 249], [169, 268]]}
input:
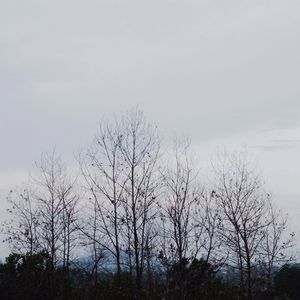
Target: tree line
{"points": [[137, 223]]}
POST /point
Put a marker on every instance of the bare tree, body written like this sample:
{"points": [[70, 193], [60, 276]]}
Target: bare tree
{"points": [[275, 247], [103, 170], [70, 199], [243, 202], [119, 171], [92, 239], [140, 151], [181, 192], [56, 200], [49, 173], [44, 216], [208, 220], [21, 229]]}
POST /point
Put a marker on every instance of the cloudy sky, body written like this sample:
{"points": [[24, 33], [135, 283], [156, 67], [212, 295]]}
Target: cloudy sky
{"points": [[225, 73]]}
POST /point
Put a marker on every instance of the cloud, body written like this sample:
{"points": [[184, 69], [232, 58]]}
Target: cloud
{"points": [[217, 71], [279, 147], [206, 69]]}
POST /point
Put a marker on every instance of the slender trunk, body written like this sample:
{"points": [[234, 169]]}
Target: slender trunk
{"points": [[136, 251], [240, 262], [116, 232], [117, 244], [249, 277], [149, 271], [95, 248], [68, 248], [135, 233], [52, 243]]}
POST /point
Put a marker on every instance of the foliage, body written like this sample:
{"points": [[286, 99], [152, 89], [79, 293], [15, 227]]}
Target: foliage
{"points": [[287, 282], [195, 279], [25, 276]]}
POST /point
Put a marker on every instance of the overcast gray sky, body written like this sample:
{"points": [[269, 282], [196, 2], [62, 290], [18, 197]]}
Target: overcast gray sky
{"points": [[225, 73]]}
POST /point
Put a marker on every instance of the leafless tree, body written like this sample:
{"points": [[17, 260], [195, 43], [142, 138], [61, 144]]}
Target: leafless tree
{"points": [[103, 170], [119, 171], [44, 215], [208, 221], [92, 238], [56, 200], [70, 199], [276, 245], [21, 230], [140, 151], [243, 202], [46, 180], [181, 193]]}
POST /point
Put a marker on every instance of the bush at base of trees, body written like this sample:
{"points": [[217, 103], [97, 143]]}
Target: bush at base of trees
{"points": [[194, 279], [30, 277], [287, 283]]}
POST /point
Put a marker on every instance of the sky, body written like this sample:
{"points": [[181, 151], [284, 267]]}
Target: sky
{"points": [[224, 73]]}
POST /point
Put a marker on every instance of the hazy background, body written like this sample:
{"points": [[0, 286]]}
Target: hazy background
{"points": [[225, 73]]}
